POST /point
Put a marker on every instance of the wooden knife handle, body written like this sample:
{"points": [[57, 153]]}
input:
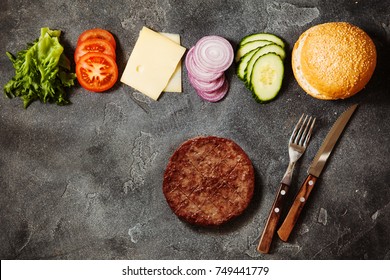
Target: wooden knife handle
{"points": [[296, 208], [273, 218]]}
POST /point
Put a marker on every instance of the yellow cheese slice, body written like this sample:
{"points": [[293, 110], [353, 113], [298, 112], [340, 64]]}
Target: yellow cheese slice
{"points": [[152, 63], [174, 84]]}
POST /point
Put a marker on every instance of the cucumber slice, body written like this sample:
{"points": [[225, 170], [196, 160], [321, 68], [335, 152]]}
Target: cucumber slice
{"points": [[261, 51], [246, 48], [267, 76], [243, 63], [262, 36]]}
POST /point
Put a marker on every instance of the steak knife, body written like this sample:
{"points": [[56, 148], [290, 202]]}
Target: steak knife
{"points": [[314, 172]]}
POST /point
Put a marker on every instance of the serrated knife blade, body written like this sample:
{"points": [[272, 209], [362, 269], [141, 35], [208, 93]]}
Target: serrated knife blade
{"points": [[314, 171]]}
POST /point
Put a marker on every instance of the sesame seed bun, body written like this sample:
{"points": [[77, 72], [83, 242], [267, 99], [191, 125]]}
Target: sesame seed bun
{"points": [[333, 60]]}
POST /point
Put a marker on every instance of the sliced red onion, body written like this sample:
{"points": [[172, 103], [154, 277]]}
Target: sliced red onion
{"points": [[206, 63], [213, 54], [206, 86], [216, 95], [196, 72]]}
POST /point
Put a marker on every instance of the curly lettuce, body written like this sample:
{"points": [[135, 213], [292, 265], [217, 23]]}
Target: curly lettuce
{"points": [[42, 71]]}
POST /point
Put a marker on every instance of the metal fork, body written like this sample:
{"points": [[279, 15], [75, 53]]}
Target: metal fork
{"points": [[296, 147]]}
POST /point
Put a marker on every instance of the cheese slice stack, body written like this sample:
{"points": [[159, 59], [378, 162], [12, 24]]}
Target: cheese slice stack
{"points": [[174, 84], [153, 62]]}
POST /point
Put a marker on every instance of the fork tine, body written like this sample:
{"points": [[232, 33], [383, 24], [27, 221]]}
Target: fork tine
{"points": [[304, 133], [309, 133], [301, 130], [297, 126]]}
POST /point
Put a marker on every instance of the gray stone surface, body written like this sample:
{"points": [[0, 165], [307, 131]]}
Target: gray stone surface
{"points": [[84, 181]]}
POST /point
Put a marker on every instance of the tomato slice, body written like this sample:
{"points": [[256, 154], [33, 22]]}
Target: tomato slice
{"points": [[94, 45], [97, 33], [96, 71]]}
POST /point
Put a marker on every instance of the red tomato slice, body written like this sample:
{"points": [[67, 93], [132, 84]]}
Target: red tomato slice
{"points": [[94, 45], [97, 33], [96, 71]]}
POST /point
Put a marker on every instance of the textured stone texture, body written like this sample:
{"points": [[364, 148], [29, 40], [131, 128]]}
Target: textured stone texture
{"points": [[84, 181]]}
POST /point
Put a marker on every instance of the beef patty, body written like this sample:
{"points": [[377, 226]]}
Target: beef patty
{"points": [[208, 181]]}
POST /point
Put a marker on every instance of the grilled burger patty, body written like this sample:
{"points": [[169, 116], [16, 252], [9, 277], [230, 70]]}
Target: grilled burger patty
{"points": [[208, 181]]}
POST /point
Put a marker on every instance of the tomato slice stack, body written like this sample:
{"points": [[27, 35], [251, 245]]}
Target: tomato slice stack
{"points": [[95, 58]]}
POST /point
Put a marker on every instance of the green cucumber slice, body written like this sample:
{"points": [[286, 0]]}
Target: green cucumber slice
{"points": [[261, 51], [262, 36], [246, 48], [243, 63], [267, 76]]}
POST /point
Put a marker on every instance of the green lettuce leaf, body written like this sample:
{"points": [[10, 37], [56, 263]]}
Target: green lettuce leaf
{"points": [[42, 71]]}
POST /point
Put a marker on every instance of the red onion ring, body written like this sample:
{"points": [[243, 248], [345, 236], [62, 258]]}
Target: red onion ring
{"points": [[206, 86], [213, 54], [216, 95], [196, 72]]}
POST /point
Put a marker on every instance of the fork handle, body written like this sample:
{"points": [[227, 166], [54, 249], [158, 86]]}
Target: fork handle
{"points": [[272, 221], [296, 208]]}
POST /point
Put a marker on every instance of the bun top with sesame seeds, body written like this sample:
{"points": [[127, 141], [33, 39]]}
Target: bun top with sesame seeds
{"points": [[333, 60]]}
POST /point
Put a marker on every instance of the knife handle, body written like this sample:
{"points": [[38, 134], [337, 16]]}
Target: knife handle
{"points": [[273, 218], [296, 208]]}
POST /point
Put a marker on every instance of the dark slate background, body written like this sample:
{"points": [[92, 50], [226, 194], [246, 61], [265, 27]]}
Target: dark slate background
{"points": [[84, 181]]}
